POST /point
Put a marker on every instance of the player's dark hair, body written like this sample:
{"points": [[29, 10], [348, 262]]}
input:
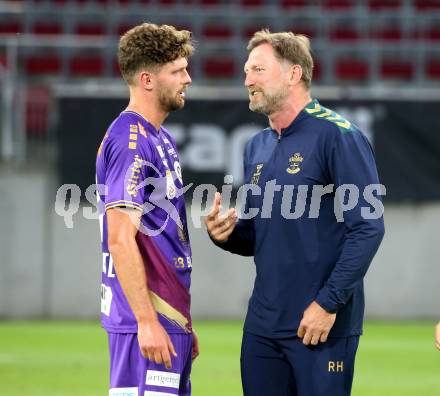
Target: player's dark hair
{"points": [[150, 46], [295, 48]]}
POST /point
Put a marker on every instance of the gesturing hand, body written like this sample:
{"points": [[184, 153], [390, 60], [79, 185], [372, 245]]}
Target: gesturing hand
{"points": [[155, 344], [315, 324], [220, 226]]}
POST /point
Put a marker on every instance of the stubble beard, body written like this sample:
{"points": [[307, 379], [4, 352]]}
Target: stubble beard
{"points": [[269, 103], [169, 101]]}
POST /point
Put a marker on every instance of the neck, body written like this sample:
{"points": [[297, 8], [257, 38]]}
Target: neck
{"points": [[289, 111], [148, 108]]}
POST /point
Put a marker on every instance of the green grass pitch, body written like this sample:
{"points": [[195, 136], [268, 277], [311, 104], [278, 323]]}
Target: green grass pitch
{"points": [[70, 358]]}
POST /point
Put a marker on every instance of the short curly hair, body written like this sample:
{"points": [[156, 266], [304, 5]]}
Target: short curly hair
{"points": [[150, 46], [295, 48]]}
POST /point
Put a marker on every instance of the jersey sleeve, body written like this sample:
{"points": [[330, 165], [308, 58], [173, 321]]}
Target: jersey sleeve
{"points": [[126, 171], [351, 163]]}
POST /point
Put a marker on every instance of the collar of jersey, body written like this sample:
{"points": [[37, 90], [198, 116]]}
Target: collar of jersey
{"points": [[291, 128], [150, 126]]}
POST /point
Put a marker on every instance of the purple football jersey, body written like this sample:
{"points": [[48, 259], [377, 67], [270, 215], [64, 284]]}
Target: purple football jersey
{"points": [[138, 167]]}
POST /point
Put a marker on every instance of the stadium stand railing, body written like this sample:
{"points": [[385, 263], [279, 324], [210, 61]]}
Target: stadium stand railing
{"points": [[361, 42]]}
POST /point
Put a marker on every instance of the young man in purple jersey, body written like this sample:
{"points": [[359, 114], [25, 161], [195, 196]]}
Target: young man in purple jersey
{"points": [[145, 300]]}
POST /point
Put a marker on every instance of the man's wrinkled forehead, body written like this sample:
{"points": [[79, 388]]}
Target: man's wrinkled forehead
{"points": [[261, 55]]}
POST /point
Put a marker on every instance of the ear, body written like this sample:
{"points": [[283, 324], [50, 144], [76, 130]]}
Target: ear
{"points": [[295, 74], [146, 80]]}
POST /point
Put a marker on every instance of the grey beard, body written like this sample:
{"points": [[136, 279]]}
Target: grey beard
{"points": [[269, 104]]}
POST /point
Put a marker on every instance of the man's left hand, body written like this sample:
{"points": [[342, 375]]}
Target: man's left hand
{"points": [[195, 347], [315, 324]]}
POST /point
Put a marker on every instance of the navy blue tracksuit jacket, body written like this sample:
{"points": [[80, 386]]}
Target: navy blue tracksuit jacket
{"points": [[324, 253]]}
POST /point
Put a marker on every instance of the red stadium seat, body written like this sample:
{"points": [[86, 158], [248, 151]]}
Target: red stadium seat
{"points": [[209, 3], [10, 27], [94, 2], [396, 69], [427, 5], [38, 100], [86, 66], [218, 68], [124, 28], [337, 5], [433, 69], [83, 29], [116, 71], [252, 3], [3, 61], [47, 28], [384, 4], [344, 34], [217, 32], [317, 70], [387, 34], [293, 3], [305, 30], [433, 34], [352, 70], [248, 32], [43, 65]]}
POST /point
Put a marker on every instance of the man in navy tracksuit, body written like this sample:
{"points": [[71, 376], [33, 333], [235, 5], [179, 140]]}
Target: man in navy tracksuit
{"points": [[313, 221]]}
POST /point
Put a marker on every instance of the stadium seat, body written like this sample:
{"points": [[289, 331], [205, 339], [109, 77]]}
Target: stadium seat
{"points": [[124, 28], [3, 61], [47, 28], [209, 3], [397, 69], [248, 32], [38, 99], [218, 67], [352, 70], [217, 32], [427, 5], [252, 3], [317, 70], [293, 3], [308, 31], [387, 34], [81, 65], [10, 27], [344, 34], [378, 5], [433, 69], [115, 70], [83, 29], [42, 64], [433, 34], [337, 5], [101, 3]]}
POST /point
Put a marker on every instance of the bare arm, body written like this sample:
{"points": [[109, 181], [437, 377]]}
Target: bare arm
{"points": [[123, 225]]}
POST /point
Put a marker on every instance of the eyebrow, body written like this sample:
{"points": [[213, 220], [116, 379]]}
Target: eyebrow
{"points": [[254, 66]]}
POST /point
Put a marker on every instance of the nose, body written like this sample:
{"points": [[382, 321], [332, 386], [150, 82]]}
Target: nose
{"points": [[188, 79], [248, 81]]}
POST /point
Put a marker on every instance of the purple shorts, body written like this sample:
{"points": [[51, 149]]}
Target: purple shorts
{"points": [[133, 375]]}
